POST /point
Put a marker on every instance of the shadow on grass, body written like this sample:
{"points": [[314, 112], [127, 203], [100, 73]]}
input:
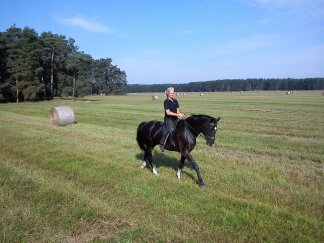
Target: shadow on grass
{"points": [[163, 160]]}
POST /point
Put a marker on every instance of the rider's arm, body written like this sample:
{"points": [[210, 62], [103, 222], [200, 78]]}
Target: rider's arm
{"points": [[170, 113]]}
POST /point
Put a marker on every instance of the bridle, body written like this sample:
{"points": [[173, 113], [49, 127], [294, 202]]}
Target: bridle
{"points": [[200, 133]]}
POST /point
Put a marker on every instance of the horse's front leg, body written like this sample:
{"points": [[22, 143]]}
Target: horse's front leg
{"points": [[182, 160], [188, 156]]}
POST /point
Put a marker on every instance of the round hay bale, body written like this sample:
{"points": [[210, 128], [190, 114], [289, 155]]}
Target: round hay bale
{"points": [[155, 97], [61, 116]]}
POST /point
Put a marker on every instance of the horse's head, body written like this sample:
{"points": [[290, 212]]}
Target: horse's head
{"points": [[206, 125], [209, 130]]}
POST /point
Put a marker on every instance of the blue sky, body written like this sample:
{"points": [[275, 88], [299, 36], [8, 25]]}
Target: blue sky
{"points": [[180, 41]]}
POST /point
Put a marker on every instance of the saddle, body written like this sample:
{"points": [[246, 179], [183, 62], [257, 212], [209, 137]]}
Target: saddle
{"points": [[175, 124], [171, 135]]}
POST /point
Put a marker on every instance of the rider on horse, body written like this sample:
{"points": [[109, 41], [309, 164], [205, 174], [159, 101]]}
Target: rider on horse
{"points": [[171, 115]]}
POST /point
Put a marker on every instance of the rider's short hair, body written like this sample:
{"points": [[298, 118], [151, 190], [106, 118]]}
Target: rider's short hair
{"points": [[168, 90]]}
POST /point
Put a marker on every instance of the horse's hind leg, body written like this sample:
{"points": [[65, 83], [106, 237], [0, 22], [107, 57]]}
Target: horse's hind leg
{"points": [[181, 165], [147, 155], [148, 158]]}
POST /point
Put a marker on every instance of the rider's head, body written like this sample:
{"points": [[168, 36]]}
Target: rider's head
{"points": [[169, 92]]}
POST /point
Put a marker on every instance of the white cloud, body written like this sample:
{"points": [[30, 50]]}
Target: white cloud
{"points": [[249, 44], [149, 69], [306, 61], [282, 3], [251, 57], [84, 23], [314, 8], [302, 62], [186, 32]]}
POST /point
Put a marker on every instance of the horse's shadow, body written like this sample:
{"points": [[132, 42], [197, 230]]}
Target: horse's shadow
{"points": [[163, 160]]}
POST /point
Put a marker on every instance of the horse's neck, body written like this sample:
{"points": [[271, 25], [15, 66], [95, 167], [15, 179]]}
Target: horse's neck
{"points": [[194, 125]]}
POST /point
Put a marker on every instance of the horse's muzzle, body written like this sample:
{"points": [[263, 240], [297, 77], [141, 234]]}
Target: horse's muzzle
{"points": [[210, 144]]}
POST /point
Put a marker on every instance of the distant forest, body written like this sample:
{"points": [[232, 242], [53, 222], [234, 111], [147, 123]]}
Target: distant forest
{"points": [[233, 85], [37, 67]]}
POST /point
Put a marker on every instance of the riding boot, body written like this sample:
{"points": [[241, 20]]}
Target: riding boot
{"points": [[163, 141]]}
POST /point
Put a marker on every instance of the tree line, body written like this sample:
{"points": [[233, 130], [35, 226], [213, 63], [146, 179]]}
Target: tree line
{"points": [[233, 85], [37, 67]]}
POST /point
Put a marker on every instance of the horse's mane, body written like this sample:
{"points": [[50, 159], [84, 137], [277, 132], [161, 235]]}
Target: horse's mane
{"points": [[200, 116]]}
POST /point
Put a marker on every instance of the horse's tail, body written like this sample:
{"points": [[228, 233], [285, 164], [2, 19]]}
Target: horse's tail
{"points": [[140, 137]]}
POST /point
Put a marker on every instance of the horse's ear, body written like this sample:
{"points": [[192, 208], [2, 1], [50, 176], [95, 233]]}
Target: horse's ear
{"points": [[218, 119]]}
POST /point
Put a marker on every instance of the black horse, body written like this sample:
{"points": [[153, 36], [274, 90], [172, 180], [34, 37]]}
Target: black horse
{"points": [[149, 135]]}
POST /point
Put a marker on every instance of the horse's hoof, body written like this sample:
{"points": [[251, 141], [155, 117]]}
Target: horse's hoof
{"points": [[202, 185], [155, 172]]}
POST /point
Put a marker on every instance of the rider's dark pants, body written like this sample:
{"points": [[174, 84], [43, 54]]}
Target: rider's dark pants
{"points": [[168, 128]]}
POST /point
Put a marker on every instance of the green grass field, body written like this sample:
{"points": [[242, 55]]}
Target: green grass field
{"points": [[83, 182]]}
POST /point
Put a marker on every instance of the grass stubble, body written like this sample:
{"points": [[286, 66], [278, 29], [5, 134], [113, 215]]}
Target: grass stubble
{"points": [[83, 182]]}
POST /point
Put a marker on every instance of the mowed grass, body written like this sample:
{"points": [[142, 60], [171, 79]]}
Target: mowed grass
{"points": [[83, 182]]}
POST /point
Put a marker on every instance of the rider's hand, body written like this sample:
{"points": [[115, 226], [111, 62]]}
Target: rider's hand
{"points": [[181, 116]]}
